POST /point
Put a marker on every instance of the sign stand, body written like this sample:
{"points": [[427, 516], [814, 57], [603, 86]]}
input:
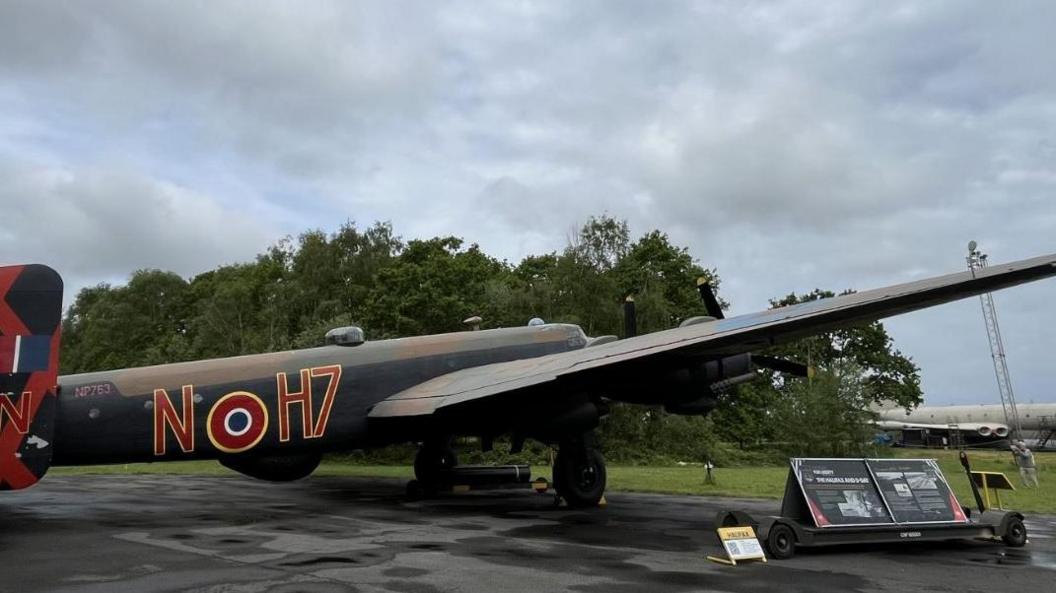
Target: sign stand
{"points": [[862, 501], [996, 481]]}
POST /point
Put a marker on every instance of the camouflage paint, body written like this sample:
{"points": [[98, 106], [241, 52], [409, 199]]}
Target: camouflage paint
{"points": [[308, 399]]}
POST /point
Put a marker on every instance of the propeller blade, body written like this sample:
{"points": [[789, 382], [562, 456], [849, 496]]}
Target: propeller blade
{"points": [[630, 318], [781, 365], [707, 295]]}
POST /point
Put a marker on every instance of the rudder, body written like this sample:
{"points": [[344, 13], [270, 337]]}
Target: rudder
{"points": [[30, 328]]}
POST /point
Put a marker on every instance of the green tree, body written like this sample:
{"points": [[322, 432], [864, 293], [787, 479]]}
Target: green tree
{"points": [[430, 288], [636, 434], [888, 374], [597, 271], [856, 368], [229, 321], [827, 416], [360, 256], [663, 279], [143, 322], [601, 242], [584, 289], [745, 416], [332, 275]]}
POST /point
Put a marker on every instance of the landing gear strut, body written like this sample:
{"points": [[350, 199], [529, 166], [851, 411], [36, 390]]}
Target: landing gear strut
{"points": [[579, 472]]}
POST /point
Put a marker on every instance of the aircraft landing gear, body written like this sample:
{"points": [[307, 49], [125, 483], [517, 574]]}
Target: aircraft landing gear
{"points": [[434, 458], [579, 472]]}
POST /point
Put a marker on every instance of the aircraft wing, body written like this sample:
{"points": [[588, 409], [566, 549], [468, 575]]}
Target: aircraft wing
{"points": [[594, 366], [983, 429]]}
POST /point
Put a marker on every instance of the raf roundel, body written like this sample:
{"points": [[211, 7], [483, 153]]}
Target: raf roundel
{"points": [[237, 422]]}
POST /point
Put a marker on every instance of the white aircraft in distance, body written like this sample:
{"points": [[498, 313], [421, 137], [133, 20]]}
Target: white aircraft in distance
{"points": [[977, 424]]}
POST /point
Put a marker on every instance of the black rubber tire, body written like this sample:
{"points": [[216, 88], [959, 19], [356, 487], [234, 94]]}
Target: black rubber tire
{"points": [[735, 519], [781, 541], [1015, 533], [432, 461], [579, 476]]}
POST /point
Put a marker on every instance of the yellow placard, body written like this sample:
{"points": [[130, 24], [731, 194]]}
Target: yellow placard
{"points": [[740, 543], [726, 533]]}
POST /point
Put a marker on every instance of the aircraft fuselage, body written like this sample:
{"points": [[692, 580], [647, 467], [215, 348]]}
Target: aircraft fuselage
{"points": [[1032, 417], [269, 404]]}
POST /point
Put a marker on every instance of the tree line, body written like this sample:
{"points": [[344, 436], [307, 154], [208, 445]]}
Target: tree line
{"points": [[299, 288]]}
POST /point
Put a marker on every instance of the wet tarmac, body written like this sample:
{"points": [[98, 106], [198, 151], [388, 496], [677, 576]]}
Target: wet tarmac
{"points": [[115, 534]]}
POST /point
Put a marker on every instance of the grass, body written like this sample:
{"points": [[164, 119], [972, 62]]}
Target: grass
{"points": [[749, 482], [1036, 500], [745, 482]]}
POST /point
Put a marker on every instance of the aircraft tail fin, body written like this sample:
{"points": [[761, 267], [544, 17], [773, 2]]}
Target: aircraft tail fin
{"points": [[30, 327]]}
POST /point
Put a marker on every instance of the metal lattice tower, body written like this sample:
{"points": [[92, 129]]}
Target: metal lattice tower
{"points": [[977, 260]]}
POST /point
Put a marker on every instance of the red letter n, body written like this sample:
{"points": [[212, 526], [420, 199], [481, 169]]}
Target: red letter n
{"points": [[18, 417], [182, 425], [286, 399]]}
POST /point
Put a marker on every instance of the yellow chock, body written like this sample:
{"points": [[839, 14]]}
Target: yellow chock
{"points": [[603, 503]]}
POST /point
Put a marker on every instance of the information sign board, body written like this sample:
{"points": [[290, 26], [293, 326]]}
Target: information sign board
{"points": [[859, 492], [916, 491], [840, 492]]}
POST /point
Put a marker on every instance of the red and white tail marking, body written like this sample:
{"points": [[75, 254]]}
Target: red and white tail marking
{"points": [[30, 327]]}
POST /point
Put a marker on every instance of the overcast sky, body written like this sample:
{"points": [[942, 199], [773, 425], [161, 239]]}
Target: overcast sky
{"points": [[789, 145]]}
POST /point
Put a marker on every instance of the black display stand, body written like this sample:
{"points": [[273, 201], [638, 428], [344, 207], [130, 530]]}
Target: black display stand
{"points": [[862, 501]]}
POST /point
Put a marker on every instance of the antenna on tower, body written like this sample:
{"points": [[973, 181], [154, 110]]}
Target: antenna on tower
{"points": [[977, 261]]}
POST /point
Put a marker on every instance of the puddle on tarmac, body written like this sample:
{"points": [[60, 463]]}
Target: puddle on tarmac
{"points": [[1017, 557]]}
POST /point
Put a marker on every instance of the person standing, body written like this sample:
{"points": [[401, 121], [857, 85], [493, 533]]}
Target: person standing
{"points": [[1028, 470]]}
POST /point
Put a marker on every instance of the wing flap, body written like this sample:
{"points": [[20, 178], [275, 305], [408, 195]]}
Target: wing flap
{"points": [[716, 338]]}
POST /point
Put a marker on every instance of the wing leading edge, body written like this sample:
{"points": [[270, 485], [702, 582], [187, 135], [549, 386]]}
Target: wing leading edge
{"points": [[717, 338]]}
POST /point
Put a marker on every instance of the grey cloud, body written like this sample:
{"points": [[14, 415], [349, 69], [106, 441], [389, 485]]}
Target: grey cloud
{"points": [[287, 84], [789, 144], [95, 225]]}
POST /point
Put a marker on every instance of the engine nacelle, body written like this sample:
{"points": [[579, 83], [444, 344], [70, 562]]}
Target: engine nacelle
{"points": [[688, 390], [998, 430], [274, 468]]}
